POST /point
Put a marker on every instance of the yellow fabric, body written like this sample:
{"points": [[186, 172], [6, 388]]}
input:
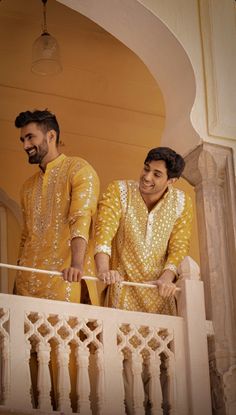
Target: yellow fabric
{"points": [[142, 244], [57, 206]]}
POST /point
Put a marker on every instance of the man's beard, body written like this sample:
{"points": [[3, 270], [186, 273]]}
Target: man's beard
{"points": [[38, 156]]}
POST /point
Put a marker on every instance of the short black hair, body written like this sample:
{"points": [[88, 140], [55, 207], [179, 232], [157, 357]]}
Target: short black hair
{"points": [[45, 119], [174, 162]]}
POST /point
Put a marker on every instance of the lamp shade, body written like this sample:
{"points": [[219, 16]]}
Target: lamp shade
{"points": [[46, 55]]}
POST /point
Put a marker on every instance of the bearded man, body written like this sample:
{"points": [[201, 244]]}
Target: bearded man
{"points": [[58, 203]]}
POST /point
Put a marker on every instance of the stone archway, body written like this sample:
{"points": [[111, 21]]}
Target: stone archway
{"points": [[151, 40]]}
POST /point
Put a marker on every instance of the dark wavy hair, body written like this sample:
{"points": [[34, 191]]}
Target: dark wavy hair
{"points": [[174, 162], [45, 119]]}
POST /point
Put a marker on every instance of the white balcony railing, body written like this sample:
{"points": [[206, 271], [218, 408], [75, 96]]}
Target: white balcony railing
{"points": [[87, 346]]}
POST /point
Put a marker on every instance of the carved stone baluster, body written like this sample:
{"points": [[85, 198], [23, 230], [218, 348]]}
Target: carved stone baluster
{"points": [[155, 392], [44, 380], [63, 353], [83, 384], [4, 374], [4, 359], [27, 380], [170, 366], [100, 386], [120, 356], [138, 391]]}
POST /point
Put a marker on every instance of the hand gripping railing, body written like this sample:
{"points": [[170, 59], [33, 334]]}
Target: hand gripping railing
{"points": [[85, 277]]}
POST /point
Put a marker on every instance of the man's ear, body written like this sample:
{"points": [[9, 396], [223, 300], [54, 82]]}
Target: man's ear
{"points": [[52, 135]]}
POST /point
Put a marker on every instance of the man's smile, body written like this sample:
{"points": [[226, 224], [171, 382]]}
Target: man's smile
{"points": [[146, 185], [31, 151]]}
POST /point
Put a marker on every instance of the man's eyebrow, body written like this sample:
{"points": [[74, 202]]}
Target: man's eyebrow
{"points": [[155, 170], [158, 171], [26, 136]]}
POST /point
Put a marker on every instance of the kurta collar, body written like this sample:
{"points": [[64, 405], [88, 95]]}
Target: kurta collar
{"points": [[54, 163], [157, 206]]}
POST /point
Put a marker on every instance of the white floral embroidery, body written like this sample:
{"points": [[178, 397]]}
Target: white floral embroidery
{"points": [[123, 194], [180, 203], [102, 248], [149, 228], [171, 267]]}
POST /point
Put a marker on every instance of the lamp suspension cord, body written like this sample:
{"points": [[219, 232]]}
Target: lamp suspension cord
{"points": [[45, 29]]}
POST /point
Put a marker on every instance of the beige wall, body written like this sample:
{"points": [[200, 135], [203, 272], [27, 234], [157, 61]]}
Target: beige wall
{"points": [[110, 108]]}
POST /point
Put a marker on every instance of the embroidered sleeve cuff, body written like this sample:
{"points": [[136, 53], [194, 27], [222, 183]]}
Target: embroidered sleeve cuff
{"points": [[80, 228], [172, 268], [77, 234], [102, 248]]}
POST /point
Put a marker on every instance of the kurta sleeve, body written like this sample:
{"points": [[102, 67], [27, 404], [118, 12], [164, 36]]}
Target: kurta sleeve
{"points": [[179, 241], [108, 218], [84, 197], [24, 231]]}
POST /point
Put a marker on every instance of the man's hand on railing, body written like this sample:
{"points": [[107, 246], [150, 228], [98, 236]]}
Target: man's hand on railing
{"points": [[165, 284], [149, 284], [166, 289], [73, 273], [104, 273], [110, 276]]}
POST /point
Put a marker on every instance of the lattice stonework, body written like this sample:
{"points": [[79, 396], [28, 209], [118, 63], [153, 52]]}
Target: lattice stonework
{"points": [[4, 357], [147, 353], [61, 349]]}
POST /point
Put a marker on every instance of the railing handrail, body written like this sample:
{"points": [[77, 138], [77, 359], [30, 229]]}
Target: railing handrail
{"points": [[85, 277]]}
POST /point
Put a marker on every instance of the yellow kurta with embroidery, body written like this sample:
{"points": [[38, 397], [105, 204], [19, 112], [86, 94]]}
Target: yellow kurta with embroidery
{"points": [[142, 244], [57, 206]]}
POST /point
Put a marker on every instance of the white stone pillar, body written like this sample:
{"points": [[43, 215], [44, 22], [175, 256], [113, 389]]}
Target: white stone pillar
{"points": [[210, 169]]}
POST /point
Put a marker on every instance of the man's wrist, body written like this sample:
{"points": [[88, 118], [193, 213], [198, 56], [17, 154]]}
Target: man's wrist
{"points": [[167, 276], [102, 270], [76, 264]]}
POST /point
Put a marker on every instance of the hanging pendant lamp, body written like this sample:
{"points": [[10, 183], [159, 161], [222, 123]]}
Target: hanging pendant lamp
{"points": [[45, 51]]}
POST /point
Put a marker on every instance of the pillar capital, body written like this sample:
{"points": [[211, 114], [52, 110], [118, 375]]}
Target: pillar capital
{"points": [[209, 163]]}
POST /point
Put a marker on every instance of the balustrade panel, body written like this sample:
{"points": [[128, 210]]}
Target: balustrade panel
{"points": [[81, 352]]}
